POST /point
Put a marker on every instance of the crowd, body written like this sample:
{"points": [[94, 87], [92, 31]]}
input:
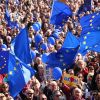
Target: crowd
{"points": [[86, 68]]}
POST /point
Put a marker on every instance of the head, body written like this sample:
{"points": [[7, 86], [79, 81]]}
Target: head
{"points": [[53, 85], [57, 94], [43, 97], [81, 64], [30, 94], [71, 71], [41, 68], [2, 96], [80, 76], [77, 94], [98, 80], [91, 69], [5, 88], [89, 78], [1, 41], [79, 57]]}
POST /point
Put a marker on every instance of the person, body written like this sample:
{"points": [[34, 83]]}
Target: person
{"points": [[42, 97], [2, 96], [77, 94], [29, 94]]}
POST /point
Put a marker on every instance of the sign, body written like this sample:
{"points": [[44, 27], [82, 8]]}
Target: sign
{"points": [[70, 80], [48, 73]]}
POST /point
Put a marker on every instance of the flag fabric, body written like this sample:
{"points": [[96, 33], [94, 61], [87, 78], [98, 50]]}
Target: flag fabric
{"points": [[11, 24], [88, 41], [60, 13], [21, 47], [90, 22], [70, 41], [4, 57], [95, 48], [63, 58], [87, 6], [18, 75], [7, 15]]}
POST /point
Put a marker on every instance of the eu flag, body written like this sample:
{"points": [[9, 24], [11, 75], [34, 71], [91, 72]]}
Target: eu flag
{"points": [[88, 40], [7, 15], [21, 46], [70, 41], [63, 58], [18, 75], [90, 22], [11, 24], [4, 57], [95, 48], [60, 13]]}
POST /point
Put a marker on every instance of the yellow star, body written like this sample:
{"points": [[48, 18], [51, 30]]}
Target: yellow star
{"points": [[97, 14], [17, 62], [95, 45], [67, 51], [88, 33], [10, 73], [85, 37], [86, 47], [61, 56], [91, 20], [92, 27], [64, 64], [84, 42], [61, 60], [3, 67], [15, 68], [4, 64], [98, 28], [91, 24], [93, 16]]}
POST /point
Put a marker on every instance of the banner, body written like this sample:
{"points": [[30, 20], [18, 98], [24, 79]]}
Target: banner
{"points": [[70, 80]]}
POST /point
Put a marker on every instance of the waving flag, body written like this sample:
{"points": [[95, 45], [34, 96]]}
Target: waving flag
{"points": [[88, 41], [90, 22], [60, 13], [70, 41], [64, 57], [20, 46], [18, 75], [4, 57]]}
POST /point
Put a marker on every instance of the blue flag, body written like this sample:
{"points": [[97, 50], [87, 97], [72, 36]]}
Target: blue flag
{"points": [[70, 41], [18, 75], [4, 57], [11, 24], [89, 40], [64, 58], [87, 6], [95, 48], [21, 46], [90, 22], [60, 13], [7, 15]]}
